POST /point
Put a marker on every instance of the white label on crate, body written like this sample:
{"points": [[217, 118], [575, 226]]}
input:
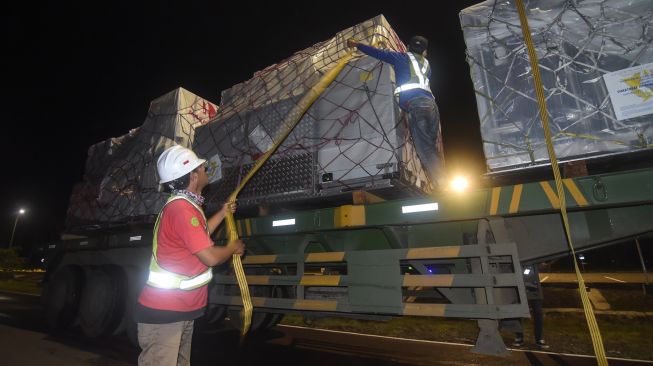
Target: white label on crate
{"points": [[214, 170], [134, 238], [631, 91], [261, 139]]}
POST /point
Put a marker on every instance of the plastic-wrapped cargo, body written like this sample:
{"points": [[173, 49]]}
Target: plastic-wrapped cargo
{"points": [[120, 182], [352, 137], [596, 63]]}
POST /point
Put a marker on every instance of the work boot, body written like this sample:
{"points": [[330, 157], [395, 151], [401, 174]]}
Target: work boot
{"points": [[541, 344], [518, 342]]}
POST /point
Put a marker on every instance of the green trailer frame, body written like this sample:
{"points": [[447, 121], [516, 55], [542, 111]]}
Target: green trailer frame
{"points": [[449, 255]]}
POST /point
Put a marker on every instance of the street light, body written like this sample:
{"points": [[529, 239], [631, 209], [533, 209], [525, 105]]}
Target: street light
{"points": [[582, 261], [20, 212]]}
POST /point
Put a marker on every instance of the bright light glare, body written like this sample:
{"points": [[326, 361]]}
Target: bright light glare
{"points": [[459, 184], [527, 271], [21, 211], [420, 208], [283, 222], [581, 257]]}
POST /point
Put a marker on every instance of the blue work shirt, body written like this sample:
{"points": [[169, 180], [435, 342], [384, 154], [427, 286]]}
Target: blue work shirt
{"points": [[401, 63]]}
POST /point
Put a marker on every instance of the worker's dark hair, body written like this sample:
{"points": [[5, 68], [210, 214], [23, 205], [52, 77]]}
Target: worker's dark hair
{"points": [[179, 183], [418, 44]]}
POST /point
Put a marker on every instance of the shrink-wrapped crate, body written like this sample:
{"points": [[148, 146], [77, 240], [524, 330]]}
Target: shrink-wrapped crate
{"points": [[596, 63], [120, 182]]}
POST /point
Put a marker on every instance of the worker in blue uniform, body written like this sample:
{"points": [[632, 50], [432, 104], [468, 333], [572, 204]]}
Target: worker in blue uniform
{"points": [[412, 73]]}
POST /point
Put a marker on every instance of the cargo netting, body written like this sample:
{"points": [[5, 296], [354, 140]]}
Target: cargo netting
{"points": [[353, 137], [596, 62], [120, 183]]}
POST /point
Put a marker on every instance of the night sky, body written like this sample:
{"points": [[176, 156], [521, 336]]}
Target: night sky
{"points": [[78, 74]]}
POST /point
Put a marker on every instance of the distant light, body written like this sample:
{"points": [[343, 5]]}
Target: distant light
{"points": [[581, 257], [21, 211], [283, 222], [459, 184], [527, 271], [42, 260], [420, 208]]}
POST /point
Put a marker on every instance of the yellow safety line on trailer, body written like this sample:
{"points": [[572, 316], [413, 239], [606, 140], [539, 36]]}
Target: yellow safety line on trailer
{"points": [[595, 333], [494, 200], [292, 119], [548, 191], [516, 197], [575, 192]]}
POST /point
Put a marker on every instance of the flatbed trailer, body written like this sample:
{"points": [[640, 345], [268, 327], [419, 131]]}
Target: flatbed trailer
{"points": [[452, 254]]}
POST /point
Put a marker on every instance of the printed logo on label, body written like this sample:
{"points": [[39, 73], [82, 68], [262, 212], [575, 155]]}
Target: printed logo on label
{"points": [[195, 222]]}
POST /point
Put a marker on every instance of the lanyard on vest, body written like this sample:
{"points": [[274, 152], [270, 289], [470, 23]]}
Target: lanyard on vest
{"points": [[422, 79], [161, 278]]}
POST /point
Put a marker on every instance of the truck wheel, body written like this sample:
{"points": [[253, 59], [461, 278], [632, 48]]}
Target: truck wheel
{"points": [[212, 317], [102, 304], [134, 285], [215, 314], [261, 320], [273, 319], [62, 297]]}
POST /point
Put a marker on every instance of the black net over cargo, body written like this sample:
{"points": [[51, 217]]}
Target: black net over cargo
{"points": [[120, 183], [352, 137]]}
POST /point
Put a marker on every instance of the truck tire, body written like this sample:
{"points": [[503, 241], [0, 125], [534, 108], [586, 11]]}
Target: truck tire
{"points": [[102, 303], [135, 283], [261, 320], [62, 297]]}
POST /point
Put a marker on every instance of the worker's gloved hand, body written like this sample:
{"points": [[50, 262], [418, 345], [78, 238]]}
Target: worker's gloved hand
{"points": [[351, 43], [237, 246]]}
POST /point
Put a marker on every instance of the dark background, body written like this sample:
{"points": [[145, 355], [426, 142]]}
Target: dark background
{"points": [[74, 75]]}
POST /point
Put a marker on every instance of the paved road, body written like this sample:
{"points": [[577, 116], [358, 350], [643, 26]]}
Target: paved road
{"points": [[25, 342], [616, 278]]}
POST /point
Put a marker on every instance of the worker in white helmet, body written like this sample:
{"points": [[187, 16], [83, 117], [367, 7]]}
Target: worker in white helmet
{"points": [[182, 256]]}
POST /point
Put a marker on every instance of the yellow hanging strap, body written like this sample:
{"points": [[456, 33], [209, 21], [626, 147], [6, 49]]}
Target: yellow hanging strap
{"points": [[291, 120], [597, 342]]}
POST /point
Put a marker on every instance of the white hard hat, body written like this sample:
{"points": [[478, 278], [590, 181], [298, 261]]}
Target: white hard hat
{"points": [[175, 162]]}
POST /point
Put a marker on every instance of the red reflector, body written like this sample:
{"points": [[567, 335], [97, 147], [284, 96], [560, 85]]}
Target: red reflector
{"points": [[186, 162]]}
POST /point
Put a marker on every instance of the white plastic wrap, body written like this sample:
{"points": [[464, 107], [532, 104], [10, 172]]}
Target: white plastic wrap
{"points": [[577, 44]]}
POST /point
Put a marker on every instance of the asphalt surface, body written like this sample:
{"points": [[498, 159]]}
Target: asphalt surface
{"points": [[25, 341], [607, 277]]}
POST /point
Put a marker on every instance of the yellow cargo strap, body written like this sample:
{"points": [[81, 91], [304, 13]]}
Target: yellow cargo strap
{"points": [[291, 120], [595, 333]]}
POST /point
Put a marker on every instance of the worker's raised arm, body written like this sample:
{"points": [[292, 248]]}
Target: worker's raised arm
{"points": [[390, 57], [215, 220]]}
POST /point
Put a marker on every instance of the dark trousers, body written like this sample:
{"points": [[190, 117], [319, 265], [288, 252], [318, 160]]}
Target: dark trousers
{"points": [[538, 316], [424, 125]]}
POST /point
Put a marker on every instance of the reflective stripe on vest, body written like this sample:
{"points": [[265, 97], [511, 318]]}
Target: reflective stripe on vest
{"points": [[161, 278], [420, 73]]}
